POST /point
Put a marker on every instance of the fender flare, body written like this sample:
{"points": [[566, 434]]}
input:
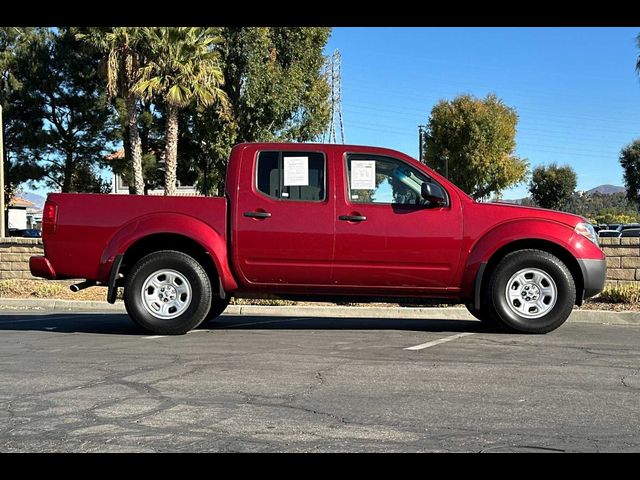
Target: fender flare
{"points": [[212, 241], [483, 250]]}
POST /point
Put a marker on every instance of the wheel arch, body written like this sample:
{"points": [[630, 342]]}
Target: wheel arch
{"points": [[171, 232], [169, 241], [564, 255]]}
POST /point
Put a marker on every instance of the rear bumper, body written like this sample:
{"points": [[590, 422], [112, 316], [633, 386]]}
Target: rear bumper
{"points": [[41, 267], [594, 274]]}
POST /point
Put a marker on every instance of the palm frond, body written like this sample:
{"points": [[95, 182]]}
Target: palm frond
{"points": [[187, 64]]}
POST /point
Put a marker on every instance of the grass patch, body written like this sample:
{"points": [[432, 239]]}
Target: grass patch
{"points": [[31, 288], [10, 288], [272, 302], [620, 294], [47, 290]]}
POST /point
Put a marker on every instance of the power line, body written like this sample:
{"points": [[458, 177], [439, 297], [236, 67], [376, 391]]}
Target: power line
{"points": [[451, 84], [550, 117], [524, 126]]}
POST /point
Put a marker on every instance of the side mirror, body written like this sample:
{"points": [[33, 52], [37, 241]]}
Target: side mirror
{"points": [[433, 194]]}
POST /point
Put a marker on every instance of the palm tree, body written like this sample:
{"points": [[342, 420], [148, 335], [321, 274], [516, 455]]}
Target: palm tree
{"points": [[182, 68], [121, 46]]}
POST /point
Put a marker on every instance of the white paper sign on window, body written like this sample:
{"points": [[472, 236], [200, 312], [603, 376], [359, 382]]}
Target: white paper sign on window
{"points": [[363, 174], [296, 171]]}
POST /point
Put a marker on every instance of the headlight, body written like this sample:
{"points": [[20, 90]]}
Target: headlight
{"points": [[586, 230]]}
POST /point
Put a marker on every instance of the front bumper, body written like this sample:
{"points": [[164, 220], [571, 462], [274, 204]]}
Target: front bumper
{"points": [[41, 267], [594, 274]]}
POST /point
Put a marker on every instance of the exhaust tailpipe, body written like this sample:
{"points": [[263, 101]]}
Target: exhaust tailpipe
{"points": [[76, 287]]}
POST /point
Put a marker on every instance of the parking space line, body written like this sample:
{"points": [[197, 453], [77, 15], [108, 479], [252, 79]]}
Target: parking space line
{"points": [[155, 336], [438, 342]]}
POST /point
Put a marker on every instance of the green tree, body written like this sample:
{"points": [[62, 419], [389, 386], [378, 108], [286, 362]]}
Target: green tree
{"points": [[476, 139], [277, 91], [151, 141], [183, 69], [60, 119], [598, 207], [121, 47], [275, 82], [551, 186], [14, 42], [630, 162]]}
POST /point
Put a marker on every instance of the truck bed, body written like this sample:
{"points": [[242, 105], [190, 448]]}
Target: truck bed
{"points": [[87, 223]]}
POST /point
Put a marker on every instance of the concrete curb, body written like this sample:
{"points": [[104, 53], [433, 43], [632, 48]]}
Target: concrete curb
{"points": [[602, 317]]}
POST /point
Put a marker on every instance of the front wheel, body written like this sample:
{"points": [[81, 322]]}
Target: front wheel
{"points": [[532, 291], [168, 293], [483, 315]]}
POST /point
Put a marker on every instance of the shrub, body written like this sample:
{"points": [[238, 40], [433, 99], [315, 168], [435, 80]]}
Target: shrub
{"points": [[621, 294], [10, 288], [47, 290], [261, 301]]}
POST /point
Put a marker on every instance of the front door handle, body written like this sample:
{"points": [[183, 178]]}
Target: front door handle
{"points": [[352, 218], [257, 214]]}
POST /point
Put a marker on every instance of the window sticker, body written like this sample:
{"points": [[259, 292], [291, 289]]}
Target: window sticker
{"points": [[296, 171], [363, 174]]}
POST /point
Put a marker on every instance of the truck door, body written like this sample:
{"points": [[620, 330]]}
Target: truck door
{"points": [[388, 238], [283, 227]]}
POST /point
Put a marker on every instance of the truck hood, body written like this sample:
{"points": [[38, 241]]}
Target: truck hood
{"points": [[520, 211]]}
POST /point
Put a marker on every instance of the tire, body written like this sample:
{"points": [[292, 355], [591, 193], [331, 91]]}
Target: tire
{"points": [[218, 306], [167, 293], [483, 315], [531, 291]]}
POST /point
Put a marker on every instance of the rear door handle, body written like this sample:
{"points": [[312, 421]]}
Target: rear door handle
{"points": [[257, 214], [352, 218]]}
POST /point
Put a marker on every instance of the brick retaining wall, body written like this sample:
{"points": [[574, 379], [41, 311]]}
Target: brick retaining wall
{"points": [[623, 258], [14, 256]]}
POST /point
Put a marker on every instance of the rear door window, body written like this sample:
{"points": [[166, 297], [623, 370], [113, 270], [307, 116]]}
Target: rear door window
{"points": [[296, 176]]}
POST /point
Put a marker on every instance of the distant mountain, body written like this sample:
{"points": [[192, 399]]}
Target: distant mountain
{"points": [[37, 200], [606, 190]]}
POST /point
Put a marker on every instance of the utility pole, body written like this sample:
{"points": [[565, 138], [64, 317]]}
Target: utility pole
{"points": [[2, 215]]}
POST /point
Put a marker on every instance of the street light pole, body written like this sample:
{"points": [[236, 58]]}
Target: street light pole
{"points": [[2, 214]]}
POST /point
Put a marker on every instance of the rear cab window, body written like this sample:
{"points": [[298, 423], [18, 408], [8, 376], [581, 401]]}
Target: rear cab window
{"points": [[293, 176]]}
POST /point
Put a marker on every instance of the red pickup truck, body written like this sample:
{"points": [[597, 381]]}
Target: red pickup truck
{"points": [[322, 222]]}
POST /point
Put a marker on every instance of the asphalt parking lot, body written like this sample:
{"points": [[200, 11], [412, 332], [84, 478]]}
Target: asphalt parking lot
{"points": [[95, 382]]}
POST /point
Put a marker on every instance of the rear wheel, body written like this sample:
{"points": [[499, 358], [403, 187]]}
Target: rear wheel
{"points": [[531, 291], [218, 306], [167, 292]]}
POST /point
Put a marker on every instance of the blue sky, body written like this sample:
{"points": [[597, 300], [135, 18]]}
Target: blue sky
{"points": [[576, 90]]}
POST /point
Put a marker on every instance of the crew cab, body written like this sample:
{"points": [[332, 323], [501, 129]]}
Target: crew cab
{"points": [[322, 222]]}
